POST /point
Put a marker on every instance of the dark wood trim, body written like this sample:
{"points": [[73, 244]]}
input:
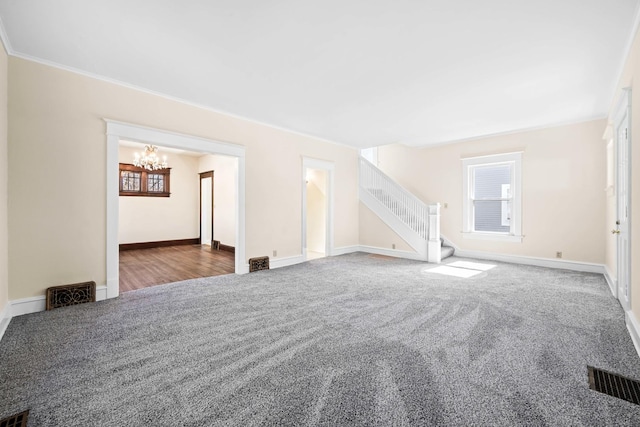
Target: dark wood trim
{"points": [[160, 244], [227, 248], [143, 181]]}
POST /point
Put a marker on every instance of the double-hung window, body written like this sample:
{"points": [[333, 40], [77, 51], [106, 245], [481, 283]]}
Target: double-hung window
{"points": [[492, 195]]}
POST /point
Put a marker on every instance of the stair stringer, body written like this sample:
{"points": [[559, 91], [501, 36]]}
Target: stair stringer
{"points": [[396, 224]]}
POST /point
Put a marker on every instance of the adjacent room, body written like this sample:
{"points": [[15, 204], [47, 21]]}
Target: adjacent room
{"points": [[176, 216], [331, 213]]}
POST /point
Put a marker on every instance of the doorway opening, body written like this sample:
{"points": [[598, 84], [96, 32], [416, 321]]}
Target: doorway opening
{"points": [[316, 184], [317, 208], [118, 131], [171, 238]]}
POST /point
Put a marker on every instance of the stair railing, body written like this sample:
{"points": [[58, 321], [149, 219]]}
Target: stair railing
{"points": [[411, 210]]}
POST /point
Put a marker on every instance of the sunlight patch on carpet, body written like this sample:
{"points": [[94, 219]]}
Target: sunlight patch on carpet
{"points": [[464, 269], [472, 265], [453, 271]]}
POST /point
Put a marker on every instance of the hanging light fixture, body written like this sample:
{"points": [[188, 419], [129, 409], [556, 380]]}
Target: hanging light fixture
{"points": [[149, 159]]}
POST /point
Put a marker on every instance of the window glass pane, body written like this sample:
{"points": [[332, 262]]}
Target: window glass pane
{"points": [[489, 180], [155, 183], [492, 216], [130, 181]]}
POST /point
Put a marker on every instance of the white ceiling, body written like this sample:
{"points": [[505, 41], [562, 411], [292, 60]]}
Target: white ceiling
{"points": [[359, 72]]}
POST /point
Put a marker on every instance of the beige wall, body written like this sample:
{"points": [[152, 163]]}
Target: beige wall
{"points": [[57, 217], [563, 180], [225, 170], [631, 73], [4, 176], [375, 233], [152, 219]]}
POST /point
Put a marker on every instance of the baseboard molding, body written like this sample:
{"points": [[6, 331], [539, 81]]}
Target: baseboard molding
{"points": [[227, 248], [344, 250], [634, 329], [36, 304], [613, 283], [285, 262], [392, 253], [538, 262], [5, 318], [159, 244]]}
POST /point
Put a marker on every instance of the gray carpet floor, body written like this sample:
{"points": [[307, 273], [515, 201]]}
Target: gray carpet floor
{"points": [[350, 340]]}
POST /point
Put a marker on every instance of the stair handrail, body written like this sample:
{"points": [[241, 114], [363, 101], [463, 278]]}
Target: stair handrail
{"points": [[420, 210]]}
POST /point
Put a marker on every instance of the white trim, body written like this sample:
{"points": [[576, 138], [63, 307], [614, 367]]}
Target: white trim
{"points": [[36, 304], [622, 113], [512, 158], [286, 261], [28, 305], [492, 236], [5, 318], [118, 130], [165, 96], [613, 285], [535, 261], [634, 329], [508, 132], [392, 252], [625, 54], [343, 250], [329, 168]]}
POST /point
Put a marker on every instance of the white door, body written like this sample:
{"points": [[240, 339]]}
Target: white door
{"points": [[206, 211], [622, 226]]}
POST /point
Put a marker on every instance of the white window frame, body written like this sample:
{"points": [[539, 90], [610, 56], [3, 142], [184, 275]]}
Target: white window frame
{"points": [[468, 164]]}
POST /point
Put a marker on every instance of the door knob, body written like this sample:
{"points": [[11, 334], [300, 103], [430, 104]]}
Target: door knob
{"points": [[615, 231]]}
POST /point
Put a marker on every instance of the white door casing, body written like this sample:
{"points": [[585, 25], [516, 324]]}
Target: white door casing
{"points": [[622, 136], [309, 163], [119, 130]]}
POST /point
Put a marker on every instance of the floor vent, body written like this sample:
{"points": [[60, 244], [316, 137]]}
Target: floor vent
{"points": [[258, 263], [614, 385], [17, 420], [78, 293]]}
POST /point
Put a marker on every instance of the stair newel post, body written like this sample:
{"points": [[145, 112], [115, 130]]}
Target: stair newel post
{"points": [[434, 254]]}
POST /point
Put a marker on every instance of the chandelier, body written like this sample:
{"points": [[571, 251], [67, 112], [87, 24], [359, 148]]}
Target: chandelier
{"points": [[149, 159]]}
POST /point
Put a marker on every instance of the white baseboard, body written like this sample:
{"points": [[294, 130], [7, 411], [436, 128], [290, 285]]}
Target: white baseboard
{"points": [[613, 283], [101, 293], [392, 253], [345, 250], [28, 305], [5, 318], [281, 262], [285, 262], [585, 267], [36, 304], [634, 329]]}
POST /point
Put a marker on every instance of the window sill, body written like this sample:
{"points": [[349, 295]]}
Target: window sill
{"points": [[492, 236]]}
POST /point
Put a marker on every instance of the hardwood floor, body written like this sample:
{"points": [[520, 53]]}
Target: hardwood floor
{"points": [[142, 268]]}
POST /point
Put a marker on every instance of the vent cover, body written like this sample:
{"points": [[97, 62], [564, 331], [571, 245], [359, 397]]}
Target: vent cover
{"points": [[614, 385], [17, 420], [258, 263], [62, 296]]}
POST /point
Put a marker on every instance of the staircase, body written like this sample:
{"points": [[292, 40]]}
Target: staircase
{"points": [[413, 220]]}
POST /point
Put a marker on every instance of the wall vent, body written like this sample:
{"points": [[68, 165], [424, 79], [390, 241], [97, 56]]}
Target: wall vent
{"points": [[258, 263], [17, 420], [78, 293]]}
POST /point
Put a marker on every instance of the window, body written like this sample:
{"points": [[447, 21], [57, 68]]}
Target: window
{"points": [[492, 195], [135, 181]]}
